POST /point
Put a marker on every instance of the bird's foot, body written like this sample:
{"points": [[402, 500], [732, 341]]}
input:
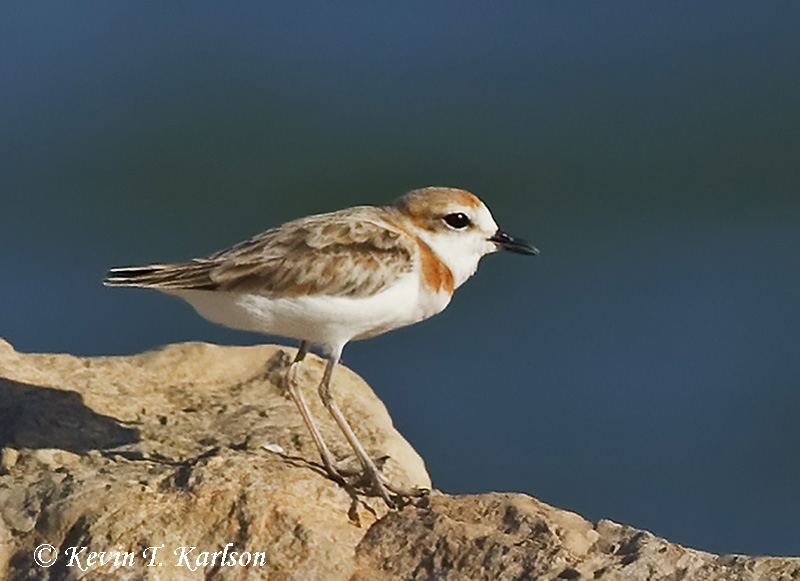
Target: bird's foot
{"points": [[394, 495]]}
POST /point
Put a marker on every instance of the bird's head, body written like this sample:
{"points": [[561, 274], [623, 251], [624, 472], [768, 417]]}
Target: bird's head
{"points": [[457, 226]]}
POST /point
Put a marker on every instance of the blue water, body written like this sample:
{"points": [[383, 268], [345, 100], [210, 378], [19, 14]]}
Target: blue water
{"points": [[643, 368]]}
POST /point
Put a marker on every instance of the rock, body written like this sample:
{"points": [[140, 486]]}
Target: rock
{"points": [[192, 457]]}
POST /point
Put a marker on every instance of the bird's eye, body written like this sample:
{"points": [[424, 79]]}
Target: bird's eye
{"points": [[457, 221]]}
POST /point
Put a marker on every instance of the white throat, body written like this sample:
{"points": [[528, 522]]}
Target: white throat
{"points": [[460, 254]]}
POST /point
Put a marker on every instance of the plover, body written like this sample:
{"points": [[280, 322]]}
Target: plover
{"points": [[329, 279]]}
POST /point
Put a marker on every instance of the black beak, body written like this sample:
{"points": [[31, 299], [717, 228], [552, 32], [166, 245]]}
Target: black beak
{"points": [[506, 242]]}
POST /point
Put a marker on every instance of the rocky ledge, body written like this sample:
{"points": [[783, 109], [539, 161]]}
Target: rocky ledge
{"points": [[190, 462]]}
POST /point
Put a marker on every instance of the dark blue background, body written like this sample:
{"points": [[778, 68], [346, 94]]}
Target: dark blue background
{"points": [[643, 368]]}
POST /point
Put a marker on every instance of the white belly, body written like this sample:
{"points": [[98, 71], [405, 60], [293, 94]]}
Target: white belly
{"points": [[329, 322]]}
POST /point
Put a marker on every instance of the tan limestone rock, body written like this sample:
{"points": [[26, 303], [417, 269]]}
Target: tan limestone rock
{"points": [[195, 449]]}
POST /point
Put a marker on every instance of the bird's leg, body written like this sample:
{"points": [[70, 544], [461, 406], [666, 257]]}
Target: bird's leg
{"points": [[291, 375], [367, 465]]}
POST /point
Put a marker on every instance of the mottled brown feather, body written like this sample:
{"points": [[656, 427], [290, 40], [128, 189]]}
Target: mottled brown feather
{"points": [[353, 252]]}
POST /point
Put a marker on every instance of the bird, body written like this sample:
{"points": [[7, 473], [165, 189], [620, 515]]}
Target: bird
{"points": [[328, 279]]}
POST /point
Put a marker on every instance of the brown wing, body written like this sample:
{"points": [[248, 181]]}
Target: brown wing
{"points": [[351, 252]]}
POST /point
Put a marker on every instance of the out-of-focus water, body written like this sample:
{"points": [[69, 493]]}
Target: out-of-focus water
{"points": [[643, 368]]}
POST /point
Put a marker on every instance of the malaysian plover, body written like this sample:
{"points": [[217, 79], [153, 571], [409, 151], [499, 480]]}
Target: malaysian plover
{"points": [[329, 279]]}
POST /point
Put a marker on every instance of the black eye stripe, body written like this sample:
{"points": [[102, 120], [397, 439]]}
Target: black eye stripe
{"points": [[458, 220]]}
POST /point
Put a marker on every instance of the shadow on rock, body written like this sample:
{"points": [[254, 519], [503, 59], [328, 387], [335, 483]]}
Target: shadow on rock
{"points": [[33, 416]]}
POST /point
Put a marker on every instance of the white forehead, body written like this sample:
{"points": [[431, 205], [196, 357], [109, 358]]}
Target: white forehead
{"points": [[482, 217]]}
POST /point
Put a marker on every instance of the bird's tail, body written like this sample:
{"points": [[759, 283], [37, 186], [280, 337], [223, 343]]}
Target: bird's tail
{"points": [[186, 275]]}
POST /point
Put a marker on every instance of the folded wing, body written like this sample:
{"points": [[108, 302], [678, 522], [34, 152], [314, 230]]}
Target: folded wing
{"points": [[353, 252]]}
